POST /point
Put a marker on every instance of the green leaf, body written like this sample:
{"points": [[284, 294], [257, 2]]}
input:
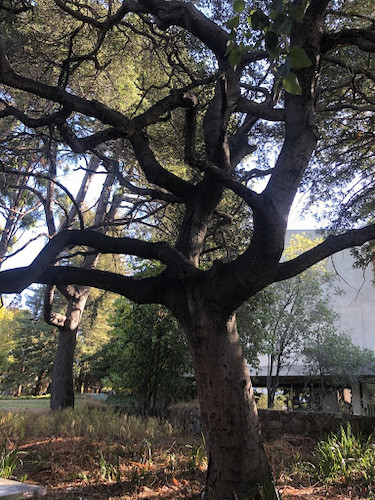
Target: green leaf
{"points": [[272, 44], [291, 84], [277, 5], [284, 69], [239, 5], [233, 22], [296, 12], [286, 27], [299, 58], [242, 49], [234, 58], [277, 22], [230, 47], [258, 20]]}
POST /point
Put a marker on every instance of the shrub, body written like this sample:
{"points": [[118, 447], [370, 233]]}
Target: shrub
{"points": [[339, 454]]}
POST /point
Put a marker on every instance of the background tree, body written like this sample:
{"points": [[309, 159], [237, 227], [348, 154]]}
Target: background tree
{"points": [[8, 326], [251, 323], [147, 357], [32, 356], [300, 307], [93, 335], [336, 360], [227, 85]]}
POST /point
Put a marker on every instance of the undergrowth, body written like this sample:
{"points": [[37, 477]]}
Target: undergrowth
{"points": [[104, 447], [342, 458], [9, 459], [94, 423]]}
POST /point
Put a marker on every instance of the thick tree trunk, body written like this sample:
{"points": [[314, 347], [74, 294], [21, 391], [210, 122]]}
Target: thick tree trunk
{"points": [[62, 392], [237, 465]]}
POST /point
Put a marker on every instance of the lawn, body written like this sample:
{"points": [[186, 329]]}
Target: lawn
{"points": [[37, 403], [17, 404]]}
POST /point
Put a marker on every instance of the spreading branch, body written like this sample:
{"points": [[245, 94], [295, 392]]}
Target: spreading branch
{"points": [[330, 246], [162, 252]]}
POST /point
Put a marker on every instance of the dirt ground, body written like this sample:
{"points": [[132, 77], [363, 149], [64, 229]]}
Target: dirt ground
{"points": [[75, 468]]}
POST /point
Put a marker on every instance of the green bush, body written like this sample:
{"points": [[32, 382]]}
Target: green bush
{"points": [[339, 454]]}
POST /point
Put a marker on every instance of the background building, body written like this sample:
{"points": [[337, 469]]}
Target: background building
{"points": [[355, 306]]}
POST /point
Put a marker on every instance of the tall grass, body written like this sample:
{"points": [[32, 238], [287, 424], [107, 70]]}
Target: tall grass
{"points": [[95, 423], [340, 454], [9, 459], [343, 458]]}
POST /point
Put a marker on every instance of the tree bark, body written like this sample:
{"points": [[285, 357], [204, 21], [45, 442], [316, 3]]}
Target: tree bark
{"points": [[62, 392], [237, 465]]}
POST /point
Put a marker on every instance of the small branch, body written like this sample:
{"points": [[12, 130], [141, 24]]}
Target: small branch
{"points": [[47, 177], [31, 240], [257, 110], [126, 6], [112, 165], [51, 318]]}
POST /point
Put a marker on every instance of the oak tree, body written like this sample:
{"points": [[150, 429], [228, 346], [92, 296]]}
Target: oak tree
{"points": [[224, 89]]}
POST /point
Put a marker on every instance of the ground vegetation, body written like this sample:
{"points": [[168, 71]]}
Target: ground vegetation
{"points": [[242, 76]]}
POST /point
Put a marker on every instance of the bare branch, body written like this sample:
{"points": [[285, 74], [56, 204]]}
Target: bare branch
{"points": [[103, 244], [50, 317], [263, 111], [126, 6], [364, 39], [113, 166], [155, 173], [47, 177], [330, 246], [142, 291]]}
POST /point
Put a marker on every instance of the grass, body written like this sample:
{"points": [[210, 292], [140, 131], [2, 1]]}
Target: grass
{"points": [[9, 459], [94, 422], [31, 403], [16, 404], [343, 459], [93, 449]]}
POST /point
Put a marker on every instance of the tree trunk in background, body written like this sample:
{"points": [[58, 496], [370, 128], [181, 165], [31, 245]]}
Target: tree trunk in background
{"points": [[62, 391], [37, 391], [237, 464]]}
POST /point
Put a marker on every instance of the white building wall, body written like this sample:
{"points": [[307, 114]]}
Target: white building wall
{"points": [[355, 304]]}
